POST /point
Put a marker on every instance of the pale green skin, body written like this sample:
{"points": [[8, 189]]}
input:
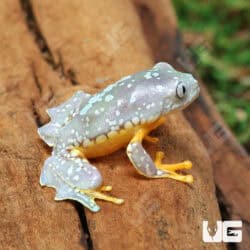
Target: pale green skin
{"points": [[139, 98]]}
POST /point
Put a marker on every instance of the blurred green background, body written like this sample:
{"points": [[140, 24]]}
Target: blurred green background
{"points": [[217, 33]]}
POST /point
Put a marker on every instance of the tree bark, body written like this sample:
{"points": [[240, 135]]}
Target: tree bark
{"points": [[230, 161], [49, 50]]}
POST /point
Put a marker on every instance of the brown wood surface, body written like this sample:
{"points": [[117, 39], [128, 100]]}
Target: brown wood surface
{"points": [[49, 49], [29, 220], [230, 161]]}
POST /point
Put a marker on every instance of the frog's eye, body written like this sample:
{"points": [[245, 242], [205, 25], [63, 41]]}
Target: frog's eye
{"points": [[181, 90]]}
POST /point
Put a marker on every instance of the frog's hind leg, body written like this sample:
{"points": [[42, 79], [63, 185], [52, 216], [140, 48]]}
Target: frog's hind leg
{"points": [[145, 165], [96, 193], [76, 179]]}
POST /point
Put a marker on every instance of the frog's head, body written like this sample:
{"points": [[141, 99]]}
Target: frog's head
{"points": [[180, 89]]}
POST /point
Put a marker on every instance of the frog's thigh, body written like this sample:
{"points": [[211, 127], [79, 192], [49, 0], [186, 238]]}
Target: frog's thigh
{"points": [[75, 178], [69, 176]]}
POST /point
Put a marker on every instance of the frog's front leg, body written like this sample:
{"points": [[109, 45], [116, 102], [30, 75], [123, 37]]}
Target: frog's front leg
{"points": [[75, 178], [145, 165], [170, 167]]}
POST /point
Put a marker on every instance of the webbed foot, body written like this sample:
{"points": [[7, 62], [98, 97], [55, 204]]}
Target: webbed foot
{"points": [[98, 194], [171, 168]]}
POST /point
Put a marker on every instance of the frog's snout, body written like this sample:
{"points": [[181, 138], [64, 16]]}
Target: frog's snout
{"points": [[195, 89]]}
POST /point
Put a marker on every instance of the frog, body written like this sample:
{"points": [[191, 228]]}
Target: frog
{"points": [[121, 115]]}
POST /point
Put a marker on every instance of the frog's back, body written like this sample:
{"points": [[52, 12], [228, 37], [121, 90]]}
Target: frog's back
{"points": [[109, 118], [128, 103]]}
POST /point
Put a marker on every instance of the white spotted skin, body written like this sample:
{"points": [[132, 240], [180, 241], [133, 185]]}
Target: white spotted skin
{"points": [[137, 98], [85, 120]]}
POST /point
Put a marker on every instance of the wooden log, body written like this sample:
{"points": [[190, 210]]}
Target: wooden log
{"points": [[59, 47], [29, 220], [230, 161]]}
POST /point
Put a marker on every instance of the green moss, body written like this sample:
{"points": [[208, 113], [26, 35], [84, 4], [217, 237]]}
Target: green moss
{"points": [[224, 65]]}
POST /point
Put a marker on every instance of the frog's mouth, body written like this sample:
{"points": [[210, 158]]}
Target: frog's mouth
{"points": [[195, 90]]}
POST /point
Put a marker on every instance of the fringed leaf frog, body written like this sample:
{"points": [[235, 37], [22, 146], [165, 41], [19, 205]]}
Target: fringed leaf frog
{"points": [[88, 126]]}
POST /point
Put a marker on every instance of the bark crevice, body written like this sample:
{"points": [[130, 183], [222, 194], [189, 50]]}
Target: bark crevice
{"points": [[40, 40], [36, 80], [86, 233], [34, 28], [37, 118], [70, 75]]}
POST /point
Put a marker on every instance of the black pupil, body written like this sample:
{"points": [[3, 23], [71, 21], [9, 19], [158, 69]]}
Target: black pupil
{"points": [[183, 89]]}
